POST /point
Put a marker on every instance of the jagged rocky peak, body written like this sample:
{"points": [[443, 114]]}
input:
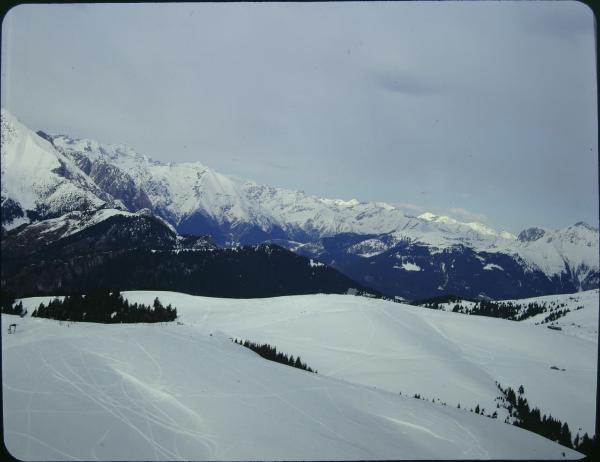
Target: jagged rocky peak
{"points": [[582, 224], [39, 182], [45, 135], [531, 234]]}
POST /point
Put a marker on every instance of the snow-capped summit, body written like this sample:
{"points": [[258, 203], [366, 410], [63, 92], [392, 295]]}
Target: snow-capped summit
{"points": [[188, 193], [531, 234], [37, 180], [475, 226], [46, 176]]}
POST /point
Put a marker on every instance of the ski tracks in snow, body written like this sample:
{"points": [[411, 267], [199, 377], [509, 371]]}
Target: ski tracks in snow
{"points": [[141, 408]]}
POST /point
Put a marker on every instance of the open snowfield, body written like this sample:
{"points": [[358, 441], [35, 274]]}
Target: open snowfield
{"points": [[170, 391], [400, 348], [581, 321]]}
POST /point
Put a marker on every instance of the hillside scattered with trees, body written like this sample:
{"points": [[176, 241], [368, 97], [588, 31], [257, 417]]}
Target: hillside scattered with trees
{"points": [[270, 352], [522, 415], [512, 310]]}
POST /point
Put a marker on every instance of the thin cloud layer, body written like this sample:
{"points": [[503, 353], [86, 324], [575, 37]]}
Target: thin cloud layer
{"points": [[482, 106]]}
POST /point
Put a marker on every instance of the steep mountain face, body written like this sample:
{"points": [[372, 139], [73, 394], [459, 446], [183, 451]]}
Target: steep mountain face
{"points": [[415, 263], [412, 270], [113, 181], [79, 233], [38, 181], [374, 243], [193, 197]]}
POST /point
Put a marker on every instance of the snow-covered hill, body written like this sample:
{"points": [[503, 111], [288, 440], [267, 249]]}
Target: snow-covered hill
{"points": [[185, 391], [401, 348], [581, 320], [575, 314]]}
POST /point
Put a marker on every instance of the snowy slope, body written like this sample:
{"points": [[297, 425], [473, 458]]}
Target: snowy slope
{"points": [[400, 348], [172, 392], [38, 178], [581, 320]]}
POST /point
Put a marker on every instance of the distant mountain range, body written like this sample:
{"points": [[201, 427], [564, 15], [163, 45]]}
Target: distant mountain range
{"points": [[46, 177]]}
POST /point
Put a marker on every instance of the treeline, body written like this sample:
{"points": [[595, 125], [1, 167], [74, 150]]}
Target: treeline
{"points": [[105, 307], [505, 310], [7, 304], [513, 311], [478, 409], [545, 425], [270, 352], [435, 302]]}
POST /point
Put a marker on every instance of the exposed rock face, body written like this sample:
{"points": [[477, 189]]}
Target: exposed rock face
{"points": [[114, 182], [531, 234]]}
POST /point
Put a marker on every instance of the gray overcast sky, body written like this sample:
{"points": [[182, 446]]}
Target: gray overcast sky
{"points": [[477, 110]]}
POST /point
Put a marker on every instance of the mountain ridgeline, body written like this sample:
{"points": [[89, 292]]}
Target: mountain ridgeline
{"points": [[126, 251], [58, 231]]}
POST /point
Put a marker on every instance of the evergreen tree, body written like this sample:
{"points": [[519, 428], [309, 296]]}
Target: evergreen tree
{"points": [[105, 307]]}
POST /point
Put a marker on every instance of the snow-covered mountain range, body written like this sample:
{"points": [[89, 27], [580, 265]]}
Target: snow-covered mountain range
{"points": [[46, 176]]}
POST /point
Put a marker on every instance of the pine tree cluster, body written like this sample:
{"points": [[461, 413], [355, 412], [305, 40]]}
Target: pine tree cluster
{"points": [[555, 315], [7, 304], [505, 310], [547, 426], [436, 303], [270, 352], [105, 307]]}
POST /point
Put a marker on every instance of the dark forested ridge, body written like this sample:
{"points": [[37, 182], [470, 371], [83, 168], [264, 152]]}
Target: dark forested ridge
{"points": [[247, 272], [141, 253]]}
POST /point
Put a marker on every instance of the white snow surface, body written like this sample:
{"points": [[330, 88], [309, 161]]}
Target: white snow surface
{"points": [[174, 391], [29, 166], [581, 321]]}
